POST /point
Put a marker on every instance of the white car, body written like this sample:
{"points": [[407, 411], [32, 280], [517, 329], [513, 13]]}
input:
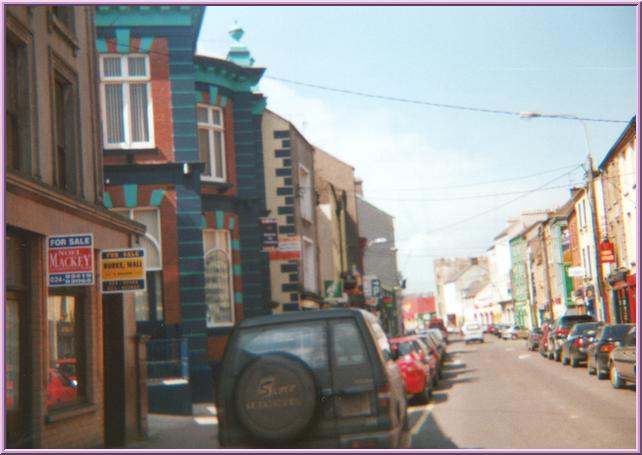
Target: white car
{"points": [[473, 331]]}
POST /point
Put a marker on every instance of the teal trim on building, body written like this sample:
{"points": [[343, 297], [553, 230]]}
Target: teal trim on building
{"points": [[107, 200], [199, 96], [146, 44], [231, 224], [141, 16], [259, 106], [101, 45], [204, 223], [122, 40], [213, 94], [156, 198], [131, 195], [236, 270], [220, 220], [236, 245], [222, 80], [238, 297], [223, 101]]}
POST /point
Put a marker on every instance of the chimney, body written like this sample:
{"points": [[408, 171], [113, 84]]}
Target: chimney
{"points": [[358, 187]]}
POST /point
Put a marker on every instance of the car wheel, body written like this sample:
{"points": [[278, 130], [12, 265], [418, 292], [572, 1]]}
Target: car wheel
{"points": [[557, 355], [616, 380], [574, 362], [601, 374], [424, 396], [256, 397], [565, 361]]}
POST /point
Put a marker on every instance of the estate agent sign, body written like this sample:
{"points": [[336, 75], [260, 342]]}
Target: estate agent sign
{"points": [[122, 270], [70, 260]]}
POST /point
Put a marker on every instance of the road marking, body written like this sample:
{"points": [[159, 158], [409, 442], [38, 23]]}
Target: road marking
{"points": [[422, 419], [206, 420], [523, 356]]}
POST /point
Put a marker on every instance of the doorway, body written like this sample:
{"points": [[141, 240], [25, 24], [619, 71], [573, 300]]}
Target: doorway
{"points": [[114, 370]]}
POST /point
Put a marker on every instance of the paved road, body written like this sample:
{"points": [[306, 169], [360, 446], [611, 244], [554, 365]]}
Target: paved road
{"points": [[498, 395]]}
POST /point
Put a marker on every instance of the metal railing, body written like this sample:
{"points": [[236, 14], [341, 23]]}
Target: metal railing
{"points": [[167, 359]]}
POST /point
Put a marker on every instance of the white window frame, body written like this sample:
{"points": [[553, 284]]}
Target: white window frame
{"points": [[305, 193], [228, 255], [212, 127], [129, 212], [309, 267], [125, 81]]}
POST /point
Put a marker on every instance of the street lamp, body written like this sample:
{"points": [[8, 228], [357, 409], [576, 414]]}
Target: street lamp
{"points": [[589, 191], [377, 241]]}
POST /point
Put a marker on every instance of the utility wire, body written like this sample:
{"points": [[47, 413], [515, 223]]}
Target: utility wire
{"points": [[434, 104]]}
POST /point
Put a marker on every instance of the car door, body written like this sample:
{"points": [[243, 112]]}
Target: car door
{"points": [[628, 355]]}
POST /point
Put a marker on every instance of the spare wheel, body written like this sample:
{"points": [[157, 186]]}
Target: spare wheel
{"points": [[276, 397]]}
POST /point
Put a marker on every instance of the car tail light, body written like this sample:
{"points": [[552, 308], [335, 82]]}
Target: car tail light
{"points": [[578, 342], [383, 397], [607, 347]]}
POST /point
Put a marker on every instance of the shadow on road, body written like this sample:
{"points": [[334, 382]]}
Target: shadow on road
{"points": [[431, 437]]}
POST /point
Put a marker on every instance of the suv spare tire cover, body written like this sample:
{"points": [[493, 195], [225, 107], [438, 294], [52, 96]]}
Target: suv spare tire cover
{"points": [[276, 397]]}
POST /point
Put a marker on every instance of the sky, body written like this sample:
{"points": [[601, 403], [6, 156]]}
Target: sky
{"points": [[450, 177]]}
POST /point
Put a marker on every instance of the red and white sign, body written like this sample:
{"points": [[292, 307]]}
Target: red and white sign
{"points": [[70, 260], [607, 253], [289, 249]]}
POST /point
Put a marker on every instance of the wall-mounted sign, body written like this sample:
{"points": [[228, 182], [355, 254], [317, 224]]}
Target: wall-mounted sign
{"points": [[332, 288], [289, 249], [70, 260], [576, 272], [607, 253], [269, 234], [122, 270], [376, 288]]}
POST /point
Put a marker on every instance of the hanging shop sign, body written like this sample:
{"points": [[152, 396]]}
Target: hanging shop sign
{"points": [[607, 253], [376, 288], [70, 260], [269, 234], [332, 288], [289, 249], [122, 270]]}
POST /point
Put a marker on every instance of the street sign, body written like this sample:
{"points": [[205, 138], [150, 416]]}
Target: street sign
{"points": [[269, 234], [367, 285], [607, 253], [122, 270], [333, 288], [70, 260], [376, 288], [289, 249], [576, 272]]}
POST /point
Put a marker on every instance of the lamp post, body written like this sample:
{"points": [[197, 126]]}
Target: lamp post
{"points": [[591, 196]]}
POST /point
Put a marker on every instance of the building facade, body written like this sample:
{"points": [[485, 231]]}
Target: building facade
{"points": [[72, 365]]}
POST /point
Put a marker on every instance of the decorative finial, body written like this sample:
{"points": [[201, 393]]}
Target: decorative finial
{"points": [[238, 53], [236, 32]]}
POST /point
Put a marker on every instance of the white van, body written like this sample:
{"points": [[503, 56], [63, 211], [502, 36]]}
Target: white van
{"points": [[473, 331]]}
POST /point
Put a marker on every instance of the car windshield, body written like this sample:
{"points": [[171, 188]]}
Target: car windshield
{"points": [[404, 347], [616, 331], [472, 327]]}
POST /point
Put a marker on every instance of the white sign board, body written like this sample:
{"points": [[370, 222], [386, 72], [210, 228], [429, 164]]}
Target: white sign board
{"points": [[576, 272]]}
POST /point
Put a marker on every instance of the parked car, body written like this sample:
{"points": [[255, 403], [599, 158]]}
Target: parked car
{"points": [[579, 338], [438, 339], [473, 332], [598, 352], [622, 361], [434, 349], [418, 367], [439, 324], [559, 332], [60, 389], [499, 328], [514, 332], [534, 336], [311, 379], [490, 328]]}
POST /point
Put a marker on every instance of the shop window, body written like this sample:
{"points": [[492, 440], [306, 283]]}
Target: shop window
{"points": [[211, 142], [219, 295], [150, 302], [126, 101], [17, 112], [66, 321]]}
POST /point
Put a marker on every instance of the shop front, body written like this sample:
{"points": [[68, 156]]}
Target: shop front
{"points": [[623, 285]]}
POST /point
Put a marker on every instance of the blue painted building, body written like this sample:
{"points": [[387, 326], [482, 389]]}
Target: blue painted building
{"points": [[182, 155]]}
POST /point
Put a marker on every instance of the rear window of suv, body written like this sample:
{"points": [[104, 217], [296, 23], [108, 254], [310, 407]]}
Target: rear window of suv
{"points": [[567, 321], [305, 340]]}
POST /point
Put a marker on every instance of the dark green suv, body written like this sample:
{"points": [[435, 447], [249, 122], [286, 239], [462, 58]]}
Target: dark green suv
{"points": [[311, 379]]}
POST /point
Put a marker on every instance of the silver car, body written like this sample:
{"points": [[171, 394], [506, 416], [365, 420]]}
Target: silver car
{"points": [[514, 332]]}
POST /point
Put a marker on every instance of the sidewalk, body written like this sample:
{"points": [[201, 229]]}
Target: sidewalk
{"points": [[199, 431]]}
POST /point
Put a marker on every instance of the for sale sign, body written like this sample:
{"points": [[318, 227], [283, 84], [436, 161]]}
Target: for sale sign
{"points": [[122, 270], [70, 260]]}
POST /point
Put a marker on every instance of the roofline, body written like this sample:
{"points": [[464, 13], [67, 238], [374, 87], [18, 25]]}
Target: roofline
{"points": [[618, 142], [332, 156], [362, 199], [292, 126]]}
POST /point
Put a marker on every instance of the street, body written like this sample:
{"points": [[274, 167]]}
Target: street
{"points": [[495, 395], [498, 395]]}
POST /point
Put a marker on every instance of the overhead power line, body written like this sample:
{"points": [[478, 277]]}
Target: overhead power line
{"points": [[433, 103]]}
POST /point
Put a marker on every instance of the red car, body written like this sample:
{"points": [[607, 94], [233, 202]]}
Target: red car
{"points": [[60, 389], [416, 366]]}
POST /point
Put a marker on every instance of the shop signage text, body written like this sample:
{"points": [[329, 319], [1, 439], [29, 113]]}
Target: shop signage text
{"points": [[122, 270], [70, 260]]}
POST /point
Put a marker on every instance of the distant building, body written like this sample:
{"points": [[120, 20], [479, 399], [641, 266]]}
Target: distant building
{"points": [[417, 310]]}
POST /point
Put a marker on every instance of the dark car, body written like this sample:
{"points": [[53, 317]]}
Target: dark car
{"points": [[311, 379], [532, 342], [559, 332], [598, 352], [579, 338], [438, 339], [622, 361]]}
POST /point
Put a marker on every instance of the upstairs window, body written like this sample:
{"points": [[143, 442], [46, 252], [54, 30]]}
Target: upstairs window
{"points": [[305, 192], [211, 142], [65, 15], [16, 80], [126, 101], [65, 134]]}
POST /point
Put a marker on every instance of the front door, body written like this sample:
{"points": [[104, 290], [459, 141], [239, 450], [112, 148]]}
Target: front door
{"points": [[114, 370]]}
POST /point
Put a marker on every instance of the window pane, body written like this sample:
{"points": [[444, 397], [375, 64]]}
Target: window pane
{"points": [[65, 333], [150, 219], [137, 66], [157, 289], [12, 353], [138, 112], [204, 150], [348, 345], [114, 113], [216, 117], [201, 114], [111, 67], [219, 162], [222, 240], [141, 303], [218, 294], [209, 240], [152, 255]]}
